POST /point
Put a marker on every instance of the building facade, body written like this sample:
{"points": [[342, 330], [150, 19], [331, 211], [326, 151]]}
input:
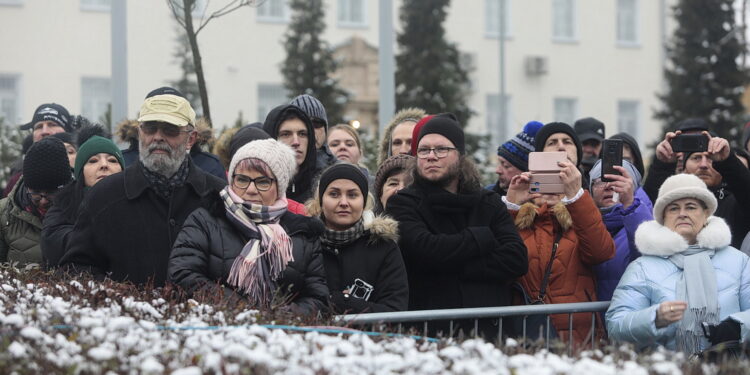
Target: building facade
{"points": [[563, 59]]}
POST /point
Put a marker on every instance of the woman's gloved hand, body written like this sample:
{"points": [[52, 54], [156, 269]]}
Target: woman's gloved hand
{"points": [[728, 330]]}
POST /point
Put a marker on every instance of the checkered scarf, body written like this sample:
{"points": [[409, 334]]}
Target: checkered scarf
{"points": [[255, 271], [333, 238], [163, 186]]}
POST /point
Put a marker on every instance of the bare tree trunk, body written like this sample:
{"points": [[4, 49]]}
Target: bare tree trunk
{"points": [[190, 31]]}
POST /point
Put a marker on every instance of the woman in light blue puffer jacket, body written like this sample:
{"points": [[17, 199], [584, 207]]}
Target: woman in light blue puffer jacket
{"points": [[688, 275]]}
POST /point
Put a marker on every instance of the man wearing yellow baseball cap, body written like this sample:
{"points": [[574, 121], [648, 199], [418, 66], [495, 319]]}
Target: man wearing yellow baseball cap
{"points": [[128, 222]]}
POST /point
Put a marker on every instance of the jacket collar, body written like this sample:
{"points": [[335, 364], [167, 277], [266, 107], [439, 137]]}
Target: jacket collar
{"points": [[136, 183], [652, 238], [529, 211]]}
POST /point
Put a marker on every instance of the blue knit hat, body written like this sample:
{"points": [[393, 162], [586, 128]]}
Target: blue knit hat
{"points": [[516, 150]]}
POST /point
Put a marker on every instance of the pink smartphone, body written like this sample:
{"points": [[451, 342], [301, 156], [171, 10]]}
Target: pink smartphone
{"points": [[545, 161], [545, 178]]}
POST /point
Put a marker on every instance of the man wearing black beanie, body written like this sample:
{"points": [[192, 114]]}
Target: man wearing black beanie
{"points": [[460, 246], [45, 172]]}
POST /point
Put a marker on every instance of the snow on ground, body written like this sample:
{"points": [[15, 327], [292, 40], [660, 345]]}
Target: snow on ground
{"points": [[84, 327]]}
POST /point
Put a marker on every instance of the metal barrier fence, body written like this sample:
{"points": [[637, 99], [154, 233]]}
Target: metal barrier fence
{"points": [[476, 314]]}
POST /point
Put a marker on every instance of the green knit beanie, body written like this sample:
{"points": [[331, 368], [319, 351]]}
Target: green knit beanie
{"points": [[96, 145]]}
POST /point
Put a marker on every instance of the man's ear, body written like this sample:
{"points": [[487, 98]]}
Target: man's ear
{"points": [[192, 138]]}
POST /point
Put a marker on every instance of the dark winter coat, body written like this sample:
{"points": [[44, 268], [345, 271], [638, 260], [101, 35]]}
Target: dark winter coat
{"points": [[375, 259], [125, 230], [621, 225], [301, 186], [497, 189], [58, 224], [208, 244], [731, 194], [460, 250], [324, 158], [20, 230], [584, 243]]}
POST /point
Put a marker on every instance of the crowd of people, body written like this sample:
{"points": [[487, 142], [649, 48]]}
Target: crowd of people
{"points": [[285, 216]]}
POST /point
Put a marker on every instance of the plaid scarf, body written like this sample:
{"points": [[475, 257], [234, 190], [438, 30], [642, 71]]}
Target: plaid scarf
{"points": [[164, 186], [261, 261], [336, 238]]}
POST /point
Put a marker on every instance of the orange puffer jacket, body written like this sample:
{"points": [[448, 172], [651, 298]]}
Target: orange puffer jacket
{"points": [[585, 243]]}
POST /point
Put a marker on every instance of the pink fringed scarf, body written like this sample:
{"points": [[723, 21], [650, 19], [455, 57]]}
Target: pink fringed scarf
{"points": [[255, 271]]}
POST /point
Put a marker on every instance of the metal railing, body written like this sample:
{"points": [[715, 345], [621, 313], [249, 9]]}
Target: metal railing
{"points": [[476, 314]]}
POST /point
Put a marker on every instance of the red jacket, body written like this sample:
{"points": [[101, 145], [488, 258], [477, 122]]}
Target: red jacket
{"points": [[584, 244], [295, 207]]}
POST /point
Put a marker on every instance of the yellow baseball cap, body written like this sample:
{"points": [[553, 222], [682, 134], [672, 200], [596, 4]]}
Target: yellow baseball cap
{"points": [[168, 108]]}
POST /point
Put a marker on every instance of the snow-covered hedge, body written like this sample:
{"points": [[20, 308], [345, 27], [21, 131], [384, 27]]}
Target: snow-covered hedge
{"points": [[53, 324]]}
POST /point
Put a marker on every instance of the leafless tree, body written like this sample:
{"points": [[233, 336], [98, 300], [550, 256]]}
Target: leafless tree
{"points": [[184, 12]]}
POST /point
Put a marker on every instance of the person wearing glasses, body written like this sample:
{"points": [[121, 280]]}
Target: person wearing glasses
{"points": [[98, 157], [45, 171], [128, 222], [247, 246], [459, 243], [364, 266]]}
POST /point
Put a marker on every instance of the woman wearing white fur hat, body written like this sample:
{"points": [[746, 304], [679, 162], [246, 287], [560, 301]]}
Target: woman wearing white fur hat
{"points": [[247, 244], [688, 275]]}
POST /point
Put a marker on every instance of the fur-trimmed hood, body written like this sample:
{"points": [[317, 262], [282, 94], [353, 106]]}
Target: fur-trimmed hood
{"points": [[406, 114], [652, 238], [127, 131], [529, 211], [380, 227]]}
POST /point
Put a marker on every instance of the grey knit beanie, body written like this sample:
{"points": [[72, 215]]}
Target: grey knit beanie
{"points": [[312, 107]]}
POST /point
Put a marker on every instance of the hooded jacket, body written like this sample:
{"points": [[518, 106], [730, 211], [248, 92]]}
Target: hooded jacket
{"points": [[208, 244], [652, 279], [585, 243], [300, 189], [731, 194], [375, 259], [621, 224], [20, 231]]}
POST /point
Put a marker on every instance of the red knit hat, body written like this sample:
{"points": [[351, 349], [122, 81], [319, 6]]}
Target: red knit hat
{"points": [[415, 133]]}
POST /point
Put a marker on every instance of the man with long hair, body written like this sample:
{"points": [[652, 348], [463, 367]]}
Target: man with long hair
{"points": [[459, 243]]}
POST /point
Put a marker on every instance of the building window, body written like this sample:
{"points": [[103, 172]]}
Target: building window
{"points": [[627, 22], [96, 97], [498, 130], [351, 13], [9, 100], [628, 117], [273, 11], [269, 97], [199, 10], [492, 18], [563, 20], [96, 5], [566, 110]]}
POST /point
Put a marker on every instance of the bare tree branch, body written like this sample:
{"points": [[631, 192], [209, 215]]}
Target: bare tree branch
{"points": [[173, 6], [229, 8]]}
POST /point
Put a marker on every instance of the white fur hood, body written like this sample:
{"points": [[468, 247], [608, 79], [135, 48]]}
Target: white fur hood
{"points": [[653, 238]]}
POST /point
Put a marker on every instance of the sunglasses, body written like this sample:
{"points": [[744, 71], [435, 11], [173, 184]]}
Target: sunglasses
{"points": [[169, 130]]}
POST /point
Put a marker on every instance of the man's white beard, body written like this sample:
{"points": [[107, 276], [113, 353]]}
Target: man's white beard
{"points": [[163, 164]]}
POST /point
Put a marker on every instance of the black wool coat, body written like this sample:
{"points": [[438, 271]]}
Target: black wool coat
{"points": [[375, 259], [460, 250], [209, 243], [125, 231]]}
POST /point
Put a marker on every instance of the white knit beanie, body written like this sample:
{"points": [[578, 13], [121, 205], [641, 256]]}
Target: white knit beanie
{"points": [[683, 186], [278, 156]]}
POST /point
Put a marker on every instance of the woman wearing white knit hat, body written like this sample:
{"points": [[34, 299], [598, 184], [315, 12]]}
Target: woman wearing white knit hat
{"points": [[690, 289], [248, 244]]}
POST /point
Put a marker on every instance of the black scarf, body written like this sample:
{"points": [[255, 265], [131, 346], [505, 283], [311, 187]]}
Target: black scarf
{"points": [[338, 238], [164, 186]]}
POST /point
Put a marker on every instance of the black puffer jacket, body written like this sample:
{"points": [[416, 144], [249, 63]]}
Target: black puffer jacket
{"points": [[375, 259], [208, 243]]}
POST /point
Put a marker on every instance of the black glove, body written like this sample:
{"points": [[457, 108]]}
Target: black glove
{"points": [[728, 330]]}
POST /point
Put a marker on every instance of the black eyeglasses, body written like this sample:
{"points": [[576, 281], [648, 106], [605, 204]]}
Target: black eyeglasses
{"points": [[262, 183], [440, 152], [168, 130], [37, 197]]}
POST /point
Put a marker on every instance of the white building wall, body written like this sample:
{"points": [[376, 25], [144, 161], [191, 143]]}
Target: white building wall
{"points": [[52, 44]]}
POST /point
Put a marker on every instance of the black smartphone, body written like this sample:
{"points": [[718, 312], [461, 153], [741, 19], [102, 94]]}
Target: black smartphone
{"points": [[694, 142], [611, 157]]}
